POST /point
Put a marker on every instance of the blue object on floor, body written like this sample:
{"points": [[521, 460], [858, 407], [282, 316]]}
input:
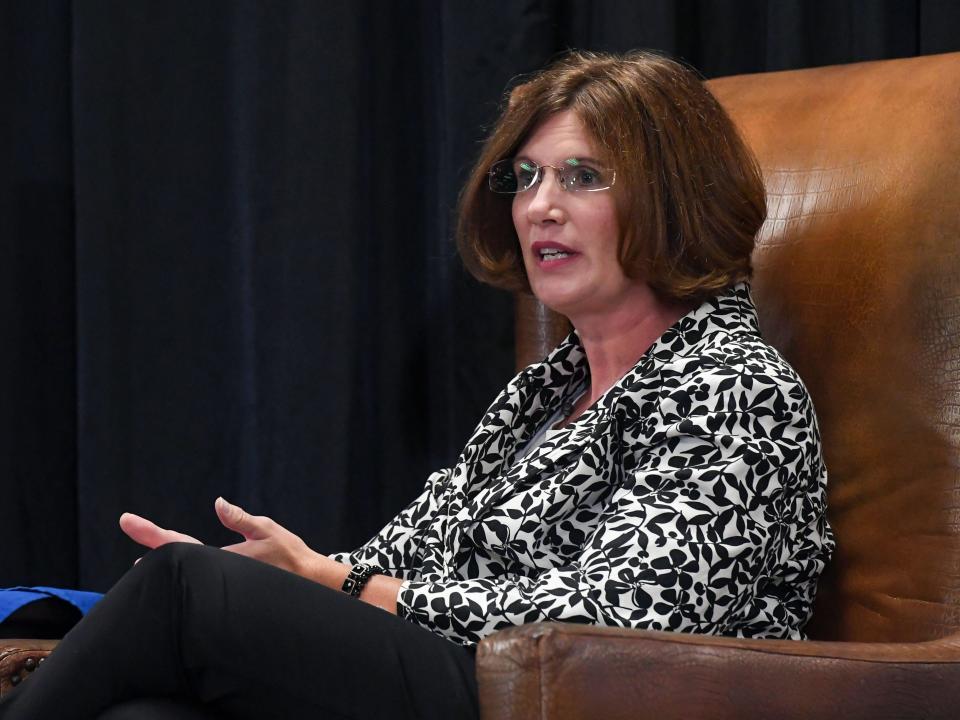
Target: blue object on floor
{"points": [[12, 599], [42, 612]]}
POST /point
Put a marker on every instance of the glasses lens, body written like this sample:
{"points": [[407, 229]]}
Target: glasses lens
{"points": [[502, 178], [513, 176], [526, 172], [577, 176]]}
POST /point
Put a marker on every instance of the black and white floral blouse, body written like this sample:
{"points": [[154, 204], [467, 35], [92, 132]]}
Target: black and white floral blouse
{"points": [[690, 497]]}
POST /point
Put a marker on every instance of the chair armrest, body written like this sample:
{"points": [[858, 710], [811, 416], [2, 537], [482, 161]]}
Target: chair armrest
{"points": [[18, 658], [557, 671]]}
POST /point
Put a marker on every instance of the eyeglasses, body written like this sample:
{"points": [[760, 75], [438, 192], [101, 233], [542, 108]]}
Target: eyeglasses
{"points": [[515, 175]]}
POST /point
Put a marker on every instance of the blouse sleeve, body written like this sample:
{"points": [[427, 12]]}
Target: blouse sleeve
{"points": [[684, 544], [396, 547]]}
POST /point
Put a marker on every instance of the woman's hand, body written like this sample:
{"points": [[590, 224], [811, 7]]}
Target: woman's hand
{"points": [[264, 540], [150, 534], [270, 542]]}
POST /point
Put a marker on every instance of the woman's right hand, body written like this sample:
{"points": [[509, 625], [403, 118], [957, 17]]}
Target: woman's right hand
{"points": [[149, 534]]}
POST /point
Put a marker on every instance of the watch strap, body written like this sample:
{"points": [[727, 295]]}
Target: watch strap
{"points": [[358, 577]]}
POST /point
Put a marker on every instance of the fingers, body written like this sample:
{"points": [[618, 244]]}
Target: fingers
{"points": [[149, 534], [252, 527]]}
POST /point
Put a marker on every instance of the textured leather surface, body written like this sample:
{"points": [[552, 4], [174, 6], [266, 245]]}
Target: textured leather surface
{"points": [[858, 285], [18, 658], [566, 672]]}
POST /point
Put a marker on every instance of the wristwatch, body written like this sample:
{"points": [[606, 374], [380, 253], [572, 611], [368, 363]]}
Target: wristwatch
{"points": [[358, 577]]}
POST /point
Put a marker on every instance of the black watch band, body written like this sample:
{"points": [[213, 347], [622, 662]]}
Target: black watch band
{"points": [[358, 577]]}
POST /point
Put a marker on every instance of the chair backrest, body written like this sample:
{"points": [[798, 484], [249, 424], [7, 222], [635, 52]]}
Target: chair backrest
{"points": [[857, 281], [858, 284]]}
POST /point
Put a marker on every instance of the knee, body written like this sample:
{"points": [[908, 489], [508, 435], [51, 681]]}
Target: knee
{"points": [[179, 559]]}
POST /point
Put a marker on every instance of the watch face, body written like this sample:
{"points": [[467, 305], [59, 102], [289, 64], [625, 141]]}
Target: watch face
{"points": [[358, 576]]}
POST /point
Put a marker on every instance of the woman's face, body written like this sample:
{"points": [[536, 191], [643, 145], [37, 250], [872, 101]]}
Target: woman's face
{"points": [[589, 280]]}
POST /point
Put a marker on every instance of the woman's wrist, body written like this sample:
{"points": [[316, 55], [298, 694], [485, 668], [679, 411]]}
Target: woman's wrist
{"points": [[379, 590], [382, 591], [323, 570]]}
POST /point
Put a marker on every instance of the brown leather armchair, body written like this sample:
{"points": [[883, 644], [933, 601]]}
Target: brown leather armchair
{"points": [[858, 284]]}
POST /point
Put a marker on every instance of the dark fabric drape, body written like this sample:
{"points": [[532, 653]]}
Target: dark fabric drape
{"points": [[38, 358], [227, 264]]}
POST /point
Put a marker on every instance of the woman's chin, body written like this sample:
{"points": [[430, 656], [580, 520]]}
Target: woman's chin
{"points": [[562, 303]]}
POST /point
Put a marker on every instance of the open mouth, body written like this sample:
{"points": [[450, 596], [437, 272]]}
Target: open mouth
{"points": [[554, 256]]}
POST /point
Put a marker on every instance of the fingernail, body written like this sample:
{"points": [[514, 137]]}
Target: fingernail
{"points": [[228, 507]]}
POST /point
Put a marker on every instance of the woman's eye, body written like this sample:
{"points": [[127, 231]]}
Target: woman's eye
{"points": [[586, 177]]}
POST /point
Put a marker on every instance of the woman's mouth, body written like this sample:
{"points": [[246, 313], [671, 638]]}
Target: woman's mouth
{"points": [[550, 260], [552, 256]]}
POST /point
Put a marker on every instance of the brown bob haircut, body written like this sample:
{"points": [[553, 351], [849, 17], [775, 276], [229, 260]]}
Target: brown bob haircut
{"points": [[690, 195]]}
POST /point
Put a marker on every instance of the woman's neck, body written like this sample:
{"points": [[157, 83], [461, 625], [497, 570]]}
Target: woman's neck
{"points": [[615, 341]]}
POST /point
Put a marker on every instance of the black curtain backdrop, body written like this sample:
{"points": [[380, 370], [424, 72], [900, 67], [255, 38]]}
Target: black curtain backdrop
{"points": [[227, 264]]}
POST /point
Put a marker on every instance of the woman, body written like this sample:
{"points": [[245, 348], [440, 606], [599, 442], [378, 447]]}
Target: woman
{"points": [[660, 469]]}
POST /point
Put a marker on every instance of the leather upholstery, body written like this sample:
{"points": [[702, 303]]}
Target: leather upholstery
{"points": [[19, 658], [579, 672], [858, 285]]}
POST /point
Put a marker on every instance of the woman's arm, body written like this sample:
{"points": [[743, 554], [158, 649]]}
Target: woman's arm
{"points": [[270, 542], [394, 548]]}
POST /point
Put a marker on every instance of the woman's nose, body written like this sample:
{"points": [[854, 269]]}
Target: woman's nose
{"points": [[547, 197]]}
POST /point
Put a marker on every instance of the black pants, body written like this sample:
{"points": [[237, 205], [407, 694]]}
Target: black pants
{"points": [[196, 632]]}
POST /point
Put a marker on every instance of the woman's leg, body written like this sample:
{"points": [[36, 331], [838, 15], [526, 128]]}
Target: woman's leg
{"points": [[246, 640]]}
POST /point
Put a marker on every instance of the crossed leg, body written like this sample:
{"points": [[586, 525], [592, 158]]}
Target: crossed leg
{"points": [[236, 638]]}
